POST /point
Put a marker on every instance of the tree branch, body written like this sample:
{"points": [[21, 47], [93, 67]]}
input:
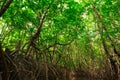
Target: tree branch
{"points": [[5, 7], [40, 24]]}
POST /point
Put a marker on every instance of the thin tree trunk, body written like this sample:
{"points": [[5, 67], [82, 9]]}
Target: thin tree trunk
{"points": [[4, 64], [115, 67]]}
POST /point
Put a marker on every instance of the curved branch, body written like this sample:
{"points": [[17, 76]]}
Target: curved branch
{"points": [[5, 7]]}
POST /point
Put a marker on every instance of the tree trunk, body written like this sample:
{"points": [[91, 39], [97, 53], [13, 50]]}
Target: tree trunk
{"points": [[113, 57]]}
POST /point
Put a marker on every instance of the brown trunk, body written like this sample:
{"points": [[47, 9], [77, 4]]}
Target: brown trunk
{"points": [[4, 64], [113, 62]]}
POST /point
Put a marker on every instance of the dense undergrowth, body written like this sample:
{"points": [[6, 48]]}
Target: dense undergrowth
{"points": [[28, 67]]}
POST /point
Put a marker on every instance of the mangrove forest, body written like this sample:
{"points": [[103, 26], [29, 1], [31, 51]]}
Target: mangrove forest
{"points": [[59, 39]]}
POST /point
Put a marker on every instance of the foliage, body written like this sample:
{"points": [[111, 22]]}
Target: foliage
{"points": [[71, 31]]}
